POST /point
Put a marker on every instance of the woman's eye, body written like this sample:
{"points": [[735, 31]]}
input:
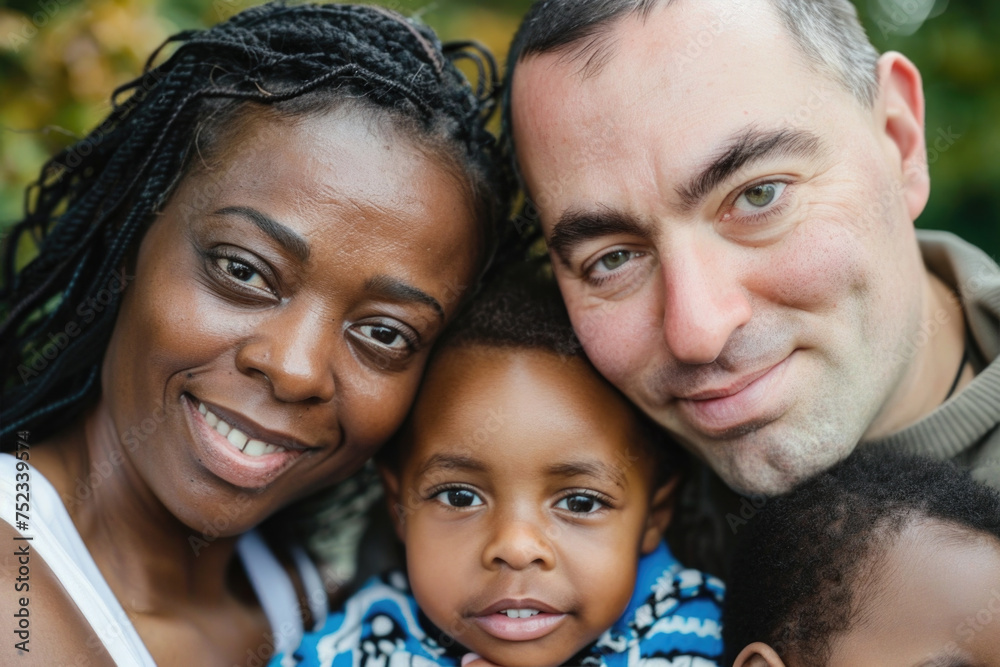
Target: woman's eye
{"points": [[580, 504], [385, 336], [242, 272], [759, 196], [459, 498]]}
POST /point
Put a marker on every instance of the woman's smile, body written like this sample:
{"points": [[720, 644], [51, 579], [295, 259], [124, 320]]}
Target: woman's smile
{"points": [[233, 455]]}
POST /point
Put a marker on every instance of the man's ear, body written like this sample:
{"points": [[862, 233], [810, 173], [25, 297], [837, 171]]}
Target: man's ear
{"points": [[390, 482], [900, 107], [661, 510], [758, 654]]}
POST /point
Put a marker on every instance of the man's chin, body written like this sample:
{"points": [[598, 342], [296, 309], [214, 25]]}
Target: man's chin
{"points": [[775, 471]]}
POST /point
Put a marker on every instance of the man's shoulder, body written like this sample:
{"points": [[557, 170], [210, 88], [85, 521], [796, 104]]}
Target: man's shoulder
{"points": [[963, 266]]}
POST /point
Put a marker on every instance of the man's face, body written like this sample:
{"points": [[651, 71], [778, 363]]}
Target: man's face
{"points": [[732, 233]]}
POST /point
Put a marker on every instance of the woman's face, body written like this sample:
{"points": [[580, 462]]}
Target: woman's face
{"points": [[288, 293]]}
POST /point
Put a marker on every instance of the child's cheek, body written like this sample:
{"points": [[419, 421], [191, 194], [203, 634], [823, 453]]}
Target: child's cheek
{"points": [[442, 563]]}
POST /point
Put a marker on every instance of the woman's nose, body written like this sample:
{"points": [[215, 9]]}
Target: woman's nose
{"points": [[518, 544], [295, 355]]}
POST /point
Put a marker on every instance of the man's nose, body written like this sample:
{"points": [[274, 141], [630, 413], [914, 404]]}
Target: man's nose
{"points": [[704, 303], [518, 544], [294, 352]]}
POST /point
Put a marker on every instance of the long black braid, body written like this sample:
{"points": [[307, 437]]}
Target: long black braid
{"points": [[94, 200]]}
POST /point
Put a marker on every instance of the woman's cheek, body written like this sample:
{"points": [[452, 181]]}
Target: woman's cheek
{"points": [[373, 404]]}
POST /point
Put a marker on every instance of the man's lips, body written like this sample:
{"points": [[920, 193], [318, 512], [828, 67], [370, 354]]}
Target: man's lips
{"points": [[492, 621], [733, 387], [754, 397]]}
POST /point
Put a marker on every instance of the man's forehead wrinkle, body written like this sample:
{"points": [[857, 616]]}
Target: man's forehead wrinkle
{"points": [[746, 147]]}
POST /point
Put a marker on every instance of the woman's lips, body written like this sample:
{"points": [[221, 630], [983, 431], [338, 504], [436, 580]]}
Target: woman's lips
{"points": [[757, 401], [225, 458]]}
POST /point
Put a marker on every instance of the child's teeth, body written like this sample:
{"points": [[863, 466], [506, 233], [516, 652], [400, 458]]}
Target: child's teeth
{"points": [[237, 437], [520, 613]]}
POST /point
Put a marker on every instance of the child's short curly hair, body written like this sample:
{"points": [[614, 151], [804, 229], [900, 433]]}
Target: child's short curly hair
{"points": [[793, 577], [521, 308]]}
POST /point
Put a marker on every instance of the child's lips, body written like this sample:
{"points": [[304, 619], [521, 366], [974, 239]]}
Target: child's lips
{"points": [[502, 626], [533, 619]]}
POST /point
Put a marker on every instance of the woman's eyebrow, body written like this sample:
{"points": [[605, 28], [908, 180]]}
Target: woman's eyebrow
{"points": [[391, 288], [286, 237]]}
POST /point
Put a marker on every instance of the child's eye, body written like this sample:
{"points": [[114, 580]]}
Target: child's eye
{"points": [[459, 498], [580, 504]]}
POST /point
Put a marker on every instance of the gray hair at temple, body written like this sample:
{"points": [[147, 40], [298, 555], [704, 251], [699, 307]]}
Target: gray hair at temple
{"points": [[828, 32]]}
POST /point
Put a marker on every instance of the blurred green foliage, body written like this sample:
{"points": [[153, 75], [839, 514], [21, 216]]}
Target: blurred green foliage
{"points": [[60, 59]]}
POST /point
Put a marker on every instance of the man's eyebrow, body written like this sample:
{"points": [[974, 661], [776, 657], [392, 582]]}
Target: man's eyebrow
{"points": [[286, 237], [576, 227], [392, 288], [597, 469], [747, 147], [452, 462]]}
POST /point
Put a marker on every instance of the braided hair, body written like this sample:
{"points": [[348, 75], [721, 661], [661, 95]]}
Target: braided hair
{"points": [[94, 200]]}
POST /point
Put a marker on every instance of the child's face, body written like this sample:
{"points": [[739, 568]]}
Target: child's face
{"points": [[936, 603], [523, 487]]}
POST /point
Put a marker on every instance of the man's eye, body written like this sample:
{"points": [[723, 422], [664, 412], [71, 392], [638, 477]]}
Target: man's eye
{"points": [[580, 504], [759, 196], [459, 498], [615, 259]]}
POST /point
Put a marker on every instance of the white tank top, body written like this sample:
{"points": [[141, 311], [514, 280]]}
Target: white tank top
{"points": [[55, 540]]}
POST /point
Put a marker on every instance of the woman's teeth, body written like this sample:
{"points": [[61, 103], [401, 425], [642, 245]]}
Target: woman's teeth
{"points": [[237, 437], [520, 613]]}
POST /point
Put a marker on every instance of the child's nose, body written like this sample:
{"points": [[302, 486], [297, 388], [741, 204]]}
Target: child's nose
{"points": [[518, 545]]}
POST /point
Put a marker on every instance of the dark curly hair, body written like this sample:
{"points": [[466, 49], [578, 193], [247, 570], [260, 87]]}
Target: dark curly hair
{"points": [[93, 202], [793, 576], [520, 308]]}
